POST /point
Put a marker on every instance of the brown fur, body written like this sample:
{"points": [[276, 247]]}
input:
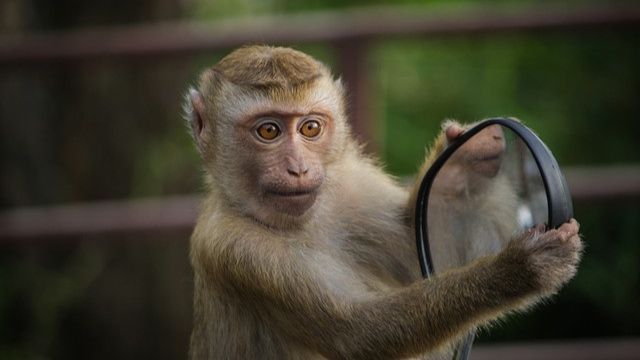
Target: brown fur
{"points": [[338, 276], [269, 68]]}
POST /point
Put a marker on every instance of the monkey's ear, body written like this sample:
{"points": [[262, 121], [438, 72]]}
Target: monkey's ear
{"points": [[194, 109]]}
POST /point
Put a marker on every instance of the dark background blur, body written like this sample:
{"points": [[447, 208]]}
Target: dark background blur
{"points": [[109, 128]]}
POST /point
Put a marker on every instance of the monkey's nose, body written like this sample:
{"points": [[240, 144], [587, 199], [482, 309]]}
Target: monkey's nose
{"points": [[297, 169]]}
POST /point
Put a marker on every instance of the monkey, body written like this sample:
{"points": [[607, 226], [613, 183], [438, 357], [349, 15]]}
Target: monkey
{"points": [[303, 247]]}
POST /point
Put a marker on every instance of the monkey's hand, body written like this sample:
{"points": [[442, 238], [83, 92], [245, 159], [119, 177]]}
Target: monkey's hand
{"points": [[550, 258], [471, 169], [482, 154]]}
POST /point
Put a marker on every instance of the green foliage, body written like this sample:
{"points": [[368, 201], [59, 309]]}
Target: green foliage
{"points": [[39, 285], [567, 88]]}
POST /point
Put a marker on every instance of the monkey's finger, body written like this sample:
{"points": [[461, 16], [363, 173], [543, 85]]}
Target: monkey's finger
{"points": [[569, 229], [574, 221], [453, 130], [571, 246], [554, 239]]}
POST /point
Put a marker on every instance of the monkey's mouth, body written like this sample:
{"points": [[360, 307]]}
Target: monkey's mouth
{"points": [[291, 191], [292, 201], [295, 193], [490, 157]]}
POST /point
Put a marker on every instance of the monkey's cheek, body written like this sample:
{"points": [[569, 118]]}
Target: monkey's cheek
{"points": [[294, 205]]}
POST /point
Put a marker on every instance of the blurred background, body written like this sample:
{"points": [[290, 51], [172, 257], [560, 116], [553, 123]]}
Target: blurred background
{"points": [[100, 179]]}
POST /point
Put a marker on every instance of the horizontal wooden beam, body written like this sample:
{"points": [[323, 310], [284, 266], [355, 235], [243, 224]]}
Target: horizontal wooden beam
{"points": [[159, 214], [615, 183], [611, 183], [334, 26], [593, 349]]}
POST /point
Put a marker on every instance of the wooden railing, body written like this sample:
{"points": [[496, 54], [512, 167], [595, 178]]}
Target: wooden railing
{"points": [[587, 184], [599, 349]]}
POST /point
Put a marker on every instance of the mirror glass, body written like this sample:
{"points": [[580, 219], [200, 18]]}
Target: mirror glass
{"points": [[487, 191]]}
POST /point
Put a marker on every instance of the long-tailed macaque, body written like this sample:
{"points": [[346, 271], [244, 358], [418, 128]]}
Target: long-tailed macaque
{"points": [[304, 247]]}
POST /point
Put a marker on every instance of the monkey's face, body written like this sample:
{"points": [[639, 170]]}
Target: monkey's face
{"points": [[273, 152], [267, 137], [286, 165]]}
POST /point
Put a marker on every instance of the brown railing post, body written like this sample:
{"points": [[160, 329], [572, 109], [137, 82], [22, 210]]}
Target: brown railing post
{"points": [[352, 55]]}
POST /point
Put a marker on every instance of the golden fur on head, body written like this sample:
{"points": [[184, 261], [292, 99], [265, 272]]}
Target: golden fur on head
{"points": [[269, 67], [255, 78]]}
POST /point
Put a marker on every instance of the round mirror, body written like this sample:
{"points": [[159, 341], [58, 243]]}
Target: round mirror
{"points": [[495, 180]]}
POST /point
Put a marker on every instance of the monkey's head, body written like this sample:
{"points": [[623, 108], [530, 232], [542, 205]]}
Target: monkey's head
{"points": [[268, 123]]}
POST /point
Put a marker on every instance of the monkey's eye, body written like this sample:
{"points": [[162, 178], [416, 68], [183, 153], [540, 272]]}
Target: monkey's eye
{"points": [[310, 128], [268, 131]]}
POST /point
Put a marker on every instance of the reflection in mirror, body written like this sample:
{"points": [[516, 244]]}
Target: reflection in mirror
{"points": [[487, 191]]}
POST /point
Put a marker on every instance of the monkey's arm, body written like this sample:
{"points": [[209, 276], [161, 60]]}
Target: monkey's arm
{"points": [[400, 323], [436, 148]]}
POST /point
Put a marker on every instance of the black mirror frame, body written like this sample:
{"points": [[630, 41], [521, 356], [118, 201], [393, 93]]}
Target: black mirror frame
{"points": [[559, 202]]}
